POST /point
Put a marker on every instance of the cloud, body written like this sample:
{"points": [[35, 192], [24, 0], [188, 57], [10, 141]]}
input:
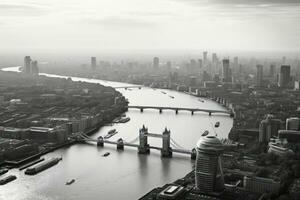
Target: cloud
{"points": [[245, 2], [27, 9], [114, 21]]}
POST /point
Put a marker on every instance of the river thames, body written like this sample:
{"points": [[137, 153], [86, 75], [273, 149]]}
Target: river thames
{"points": [[126, 174]]}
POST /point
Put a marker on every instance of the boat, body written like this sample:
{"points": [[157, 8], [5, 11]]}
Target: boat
{"points": [[42, 166], [124, 120], [70, 182], [3, 171], [106, 154], [205, 133], [163, 92], [202, 101], [111, 133], [171, 97], [7, 179], [217, 124]]}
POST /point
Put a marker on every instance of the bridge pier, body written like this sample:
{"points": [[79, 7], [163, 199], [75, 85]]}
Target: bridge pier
{"points": [[100, 141], [160, 110], [142, 109], [120, 144], [143, 147], [176, 111], [193, 154], [166, 149], [192, 112], [209, 113]]}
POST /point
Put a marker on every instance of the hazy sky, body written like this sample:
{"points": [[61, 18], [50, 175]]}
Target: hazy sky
{"points": [[97, 25]]}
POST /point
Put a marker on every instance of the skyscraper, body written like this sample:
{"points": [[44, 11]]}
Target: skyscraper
{"points": [[155, 62], [236, 64], [268, 127], [26, 67], [205, 57], [284, 76], [208, 170], [34, 67], [214, 58], [259, 76], [93, 62], [272, 70], [226, 71]]}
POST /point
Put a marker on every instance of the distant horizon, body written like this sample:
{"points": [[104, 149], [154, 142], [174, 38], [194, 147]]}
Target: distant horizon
{"points": [[157, 25]]}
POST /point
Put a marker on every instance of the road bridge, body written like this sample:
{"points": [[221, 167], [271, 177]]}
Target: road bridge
{"points": [[169, 145], [176, 109]]}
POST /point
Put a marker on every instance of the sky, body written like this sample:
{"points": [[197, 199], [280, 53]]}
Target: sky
{"points": [[124, 25]]}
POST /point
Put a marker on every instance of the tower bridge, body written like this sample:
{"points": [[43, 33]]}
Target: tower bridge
{"points": [[169, 145], [176, 109]]}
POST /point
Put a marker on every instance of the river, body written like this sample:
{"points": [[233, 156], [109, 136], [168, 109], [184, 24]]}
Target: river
{"points": [[124, 174]]}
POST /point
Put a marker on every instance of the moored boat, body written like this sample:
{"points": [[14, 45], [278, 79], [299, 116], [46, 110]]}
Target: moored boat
{"points": [[43, 166], [7, 179], [3, 171]]}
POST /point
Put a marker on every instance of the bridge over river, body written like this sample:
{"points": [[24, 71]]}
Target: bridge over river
{"points": [[176, 109], [169, 146]]}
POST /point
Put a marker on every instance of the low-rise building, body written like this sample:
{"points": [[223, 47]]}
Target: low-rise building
{"points": [[261, 185]]}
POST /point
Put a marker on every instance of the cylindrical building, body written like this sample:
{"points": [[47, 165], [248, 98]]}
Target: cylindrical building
{"points": [[208, 169]]}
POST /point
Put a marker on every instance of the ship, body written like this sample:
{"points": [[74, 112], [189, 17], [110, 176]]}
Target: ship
{"points": [[163, 92], [124, 120], [171, 97], [7, 179], [106, 154], [217, 124], [43, 166], [3, 171], [70, 182]]}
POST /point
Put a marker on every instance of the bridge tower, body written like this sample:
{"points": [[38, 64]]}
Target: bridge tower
{"points": [[193, 154], [120, 144], [166, 149], [144, 147], [100, 141]]}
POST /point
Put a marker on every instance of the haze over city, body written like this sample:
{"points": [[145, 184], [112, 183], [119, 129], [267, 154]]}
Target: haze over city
{"points": [[64, 26], [149, 99]]}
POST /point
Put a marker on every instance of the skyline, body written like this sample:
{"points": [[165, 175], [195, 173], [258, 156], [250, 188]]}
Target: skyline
{"points": [[92, 26]]}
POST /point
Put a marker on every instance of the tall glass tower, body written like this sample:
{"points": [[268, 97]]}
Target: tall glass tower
{"points": [[208, 171]]}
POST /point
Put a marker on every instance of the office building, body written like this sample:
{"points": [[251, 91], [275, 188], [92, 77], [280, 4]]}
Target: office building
{"points": [[268, 127], [27, 64], [259, 76], [284, 76], [93, 62], [272, 70], [208, 170], [156, 62], [205, 58], [214, 58], [34, 67], [293, 124], [226, 71], [261, 185], [236, 64]]}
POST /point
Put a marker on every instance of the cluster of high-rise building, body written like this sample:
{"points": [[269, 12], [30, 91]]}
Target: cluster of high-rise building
{"points": [[208, 181], [30, 66]]}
